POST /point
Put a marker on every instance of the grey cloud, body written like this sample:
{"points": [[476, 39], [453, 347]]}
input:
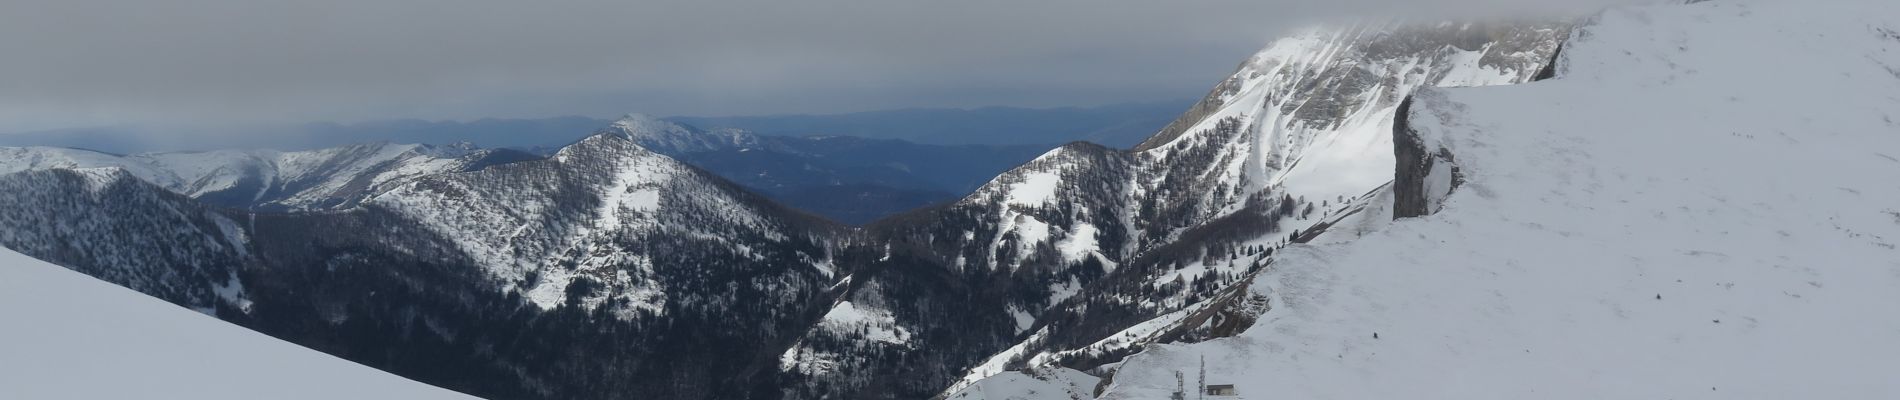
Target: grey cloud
{"points": [[95, 62]]}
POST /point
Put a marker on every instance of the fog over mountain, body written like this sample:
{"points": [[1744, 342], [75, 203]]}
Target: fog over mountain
{"points": [[226, 62], [1118, 125]]}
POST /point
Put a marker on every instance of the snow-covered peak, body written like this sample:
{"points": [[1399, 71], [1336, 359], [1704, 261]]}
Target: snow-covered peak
{"points": [[537, 226]]}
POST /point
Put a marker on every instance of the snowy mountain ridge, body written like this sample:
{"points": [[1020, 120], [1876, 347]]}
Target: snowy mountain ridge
{"points": [[669, 137], [268, 179], [1297, 139]]}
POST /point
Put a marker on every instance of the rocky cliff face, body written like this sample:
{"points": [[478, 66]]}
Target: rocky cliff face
{"points": [[1425, 172]]}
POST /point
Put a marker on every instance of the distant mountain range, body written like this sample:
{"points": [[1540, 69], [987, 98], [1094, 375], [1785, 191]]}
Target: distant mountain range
{"points": [[852, 168], [847, 179], [1119, 125]]}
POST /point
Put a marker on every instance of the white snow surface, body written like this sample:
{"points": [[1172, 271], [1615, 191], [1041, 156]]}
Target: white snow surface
{"points": [[1701, 206], [69, 336], [875, 324], [1034, 190], [1056, 383], [1080, 242], [870, 323]]}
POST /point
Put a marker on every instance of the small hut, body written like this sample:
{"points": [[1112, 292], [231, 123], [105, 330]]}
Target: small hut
{"points": [[1221, 390]]}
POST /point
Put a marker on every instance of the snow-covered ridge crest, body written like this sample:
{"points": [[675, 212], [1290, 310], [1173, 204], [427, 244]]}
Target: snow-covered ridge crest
{"points": [[267, 179], [1297, 66], [1311, 114], [669, 137], [1657, 221]]}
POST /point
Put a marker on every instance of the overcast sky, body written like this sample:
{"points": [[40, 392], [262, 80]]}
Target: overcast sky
{"points": [[70, 63]]}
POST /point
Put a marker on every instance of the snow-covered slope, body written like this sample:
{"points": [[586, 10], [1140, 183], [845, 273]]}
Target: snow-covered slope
{"points": [[1309, 116], [1059, 383], [1701, 205], [1298, 138], [69, 336]]}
